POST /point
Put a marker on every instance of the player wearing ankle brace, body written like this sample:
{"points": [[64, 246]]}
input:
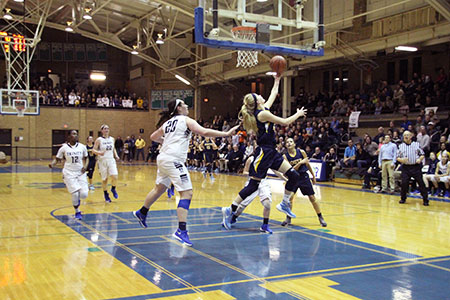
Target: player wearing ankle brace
{"points": [[174, 135], [300, 162], [257, 118]]}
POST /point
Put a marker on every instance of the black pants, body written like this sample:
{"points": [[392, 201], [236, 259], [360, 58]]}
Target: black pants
{"points": [[374, 175], [140, 152], [414, 171]]}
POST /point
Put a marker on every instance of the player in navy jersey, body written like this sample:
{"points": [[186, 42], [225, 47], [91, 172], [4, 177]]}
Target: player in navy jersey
{"points": [[257, 118], [92, 160], [208, 147], [300, 162]]}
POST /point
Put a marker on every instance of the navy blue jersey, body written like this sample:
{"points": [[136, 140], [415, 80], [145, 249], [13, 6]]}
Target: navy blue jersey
{"points": [[208, 147], [432, 166], [293, 160], [91, 154], [266, 134]]}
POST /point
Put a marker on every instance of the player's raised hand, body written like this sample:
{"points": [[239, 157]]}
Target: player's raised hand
{"points": [[302, 111], [232, 130]]}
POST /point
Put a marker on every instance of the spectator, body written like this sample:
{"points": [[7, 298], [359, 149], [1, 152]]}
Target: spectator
{"points": [[442, 150], [423, 139], [140, 146], [386, 162], [362, 158], [234, 159], [349, 156], [318, 154], [370, 146], [330, 158], [380, 136], [118, 144], [132, 146], [373, 172], [405, 122]]}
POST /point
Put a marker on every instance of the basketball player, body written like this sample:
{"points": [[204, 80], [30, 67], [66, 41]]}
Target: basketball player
{"points": [[174, 136], [106, 153], [257, 118], [208, 146], [265, 196], [92, 161], [300, 162], [74, 171]]}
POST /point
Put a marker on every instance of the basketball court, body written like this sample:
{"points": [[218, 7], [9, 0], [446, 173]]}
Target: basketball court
{"points": [[372, 248]]}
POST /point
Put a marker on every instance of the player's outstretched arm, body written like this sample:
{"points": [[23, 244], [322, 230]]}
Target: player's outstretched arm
{"points": [[206, 132], [157, 135], [267, 116], [273, 93]]}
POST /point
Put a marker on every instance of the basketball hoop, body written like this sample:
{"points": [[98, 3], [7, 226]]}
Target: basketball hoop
{"points": [[20, 105], [245, 59], [20, 110]]}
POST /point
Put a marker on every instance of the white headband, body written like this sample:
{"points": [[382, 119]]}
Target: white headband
{"points": [[178, 101]]}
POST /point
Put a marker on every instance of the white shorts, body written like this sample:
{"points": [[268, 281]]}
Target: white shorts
{"points": [[75, 182], [107, 167], [444, 179], [175, 173], [263, 191]]}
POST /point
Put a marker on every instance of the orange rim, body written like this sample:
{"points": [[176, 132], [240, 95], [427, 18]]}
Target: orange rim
{"points": [[243, 28]]}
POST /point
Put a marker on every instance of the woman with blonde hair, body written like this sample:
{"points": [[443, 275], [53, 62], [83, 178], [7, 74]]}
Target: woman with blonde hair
{"points": [[257, 118]]}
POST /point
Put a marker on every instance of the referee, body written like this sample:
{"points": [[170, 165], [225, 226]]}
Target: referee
{"points": [[410, 156]]}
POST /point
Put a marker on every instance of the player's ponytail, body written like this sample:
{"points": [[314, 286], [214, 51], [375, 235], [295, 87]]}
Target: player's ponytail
{"points": [[246, 115], [170, 112]]}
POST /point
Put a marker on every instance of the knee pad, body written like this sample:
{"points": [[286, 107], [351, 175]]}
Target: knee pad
{"points": [[266, 203], [293, 179], [83, 194], [184, 203], [249, 189]]}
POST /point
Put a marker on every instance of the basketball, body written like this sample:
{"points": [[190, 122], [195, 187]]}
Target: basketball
{"points": [[3, 159], [278, 64]]}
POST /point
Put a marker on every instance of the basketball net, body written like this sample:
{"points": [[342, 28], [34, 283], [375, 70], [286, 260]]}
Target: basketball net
{"points": [[20, 110], [245, 59]]}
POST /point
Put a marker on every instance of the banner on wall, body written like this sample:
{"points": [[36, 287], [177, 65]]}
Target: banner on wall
{"points": [[353, 120]]}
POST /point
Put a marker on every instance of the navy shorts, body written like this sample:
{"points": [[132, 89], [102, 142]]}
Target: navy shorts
{"points": [[265, 158], [91, 168], [208, 157], [305, 184]]}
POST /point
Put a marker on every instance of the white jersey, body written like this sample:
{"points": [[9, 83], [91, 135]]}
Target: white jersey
{"points": [[106, 146], [176, 139], [443, 168], [74, 157]]}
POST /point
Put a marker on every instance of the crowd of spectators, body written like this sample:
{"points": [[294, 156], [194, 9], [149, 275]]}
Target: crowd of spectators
{"points": [[72, 95], [422, 91]]}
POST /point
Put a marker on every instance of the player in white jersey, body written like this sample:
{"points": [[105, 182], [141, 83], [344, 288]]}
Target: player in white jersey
{"points": [[265, 196], [174, 135], [443, 175], [74, 171], [107, 156]]}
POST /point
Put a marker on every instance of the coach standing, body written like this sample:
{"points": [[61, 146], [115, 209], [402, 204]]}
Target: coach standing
{"points": [[410, 156]]}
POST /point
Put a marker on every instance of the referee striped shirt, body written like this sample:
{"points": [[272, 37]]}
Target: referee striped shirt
{"points": [[411, 151]]}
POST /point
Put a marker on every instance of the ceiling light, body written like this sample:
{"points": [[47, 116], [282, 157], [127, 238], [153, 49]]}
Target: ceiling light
{"points": [[271, 73], [69, 26], [98, 76], [87, 14], [134, 51], [159, 40], [18, 0], [406, 48], [261, 0], [7, 15], [182, 79]]}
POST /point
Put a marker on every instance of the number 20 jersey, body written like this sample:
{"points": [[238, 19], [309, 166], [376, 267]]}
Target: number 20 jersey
{"points": [[73, 156], [176, 139]]}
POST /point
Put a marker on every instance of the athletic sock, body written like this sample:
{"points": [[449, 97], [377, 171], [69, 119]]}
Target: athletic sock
{"points": [[266, 221], [144, 210], [319, 215], [182, 225], [286, 199], [234, 218], [288, 218], [113, 188], [106, 193]]}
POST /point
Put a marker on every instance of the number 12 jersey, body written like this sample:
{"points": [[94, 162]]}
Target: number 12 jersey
{"points": [[74, 157]]}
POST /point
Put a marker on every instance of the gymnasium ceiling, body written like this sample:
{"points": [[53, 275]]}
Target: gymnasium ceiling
{"points": [[125, 23]]}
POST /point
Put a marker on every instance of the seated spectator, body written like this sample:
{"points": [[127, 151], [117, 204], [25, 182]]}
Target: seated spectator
{"points": [[349, 156], [127, 103], [330, 158], [234, 159], [140, 103], [362, 158], [100, 102], [423, 139], [318, 154], [374, 172], [380, 136], [370, 146]]}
